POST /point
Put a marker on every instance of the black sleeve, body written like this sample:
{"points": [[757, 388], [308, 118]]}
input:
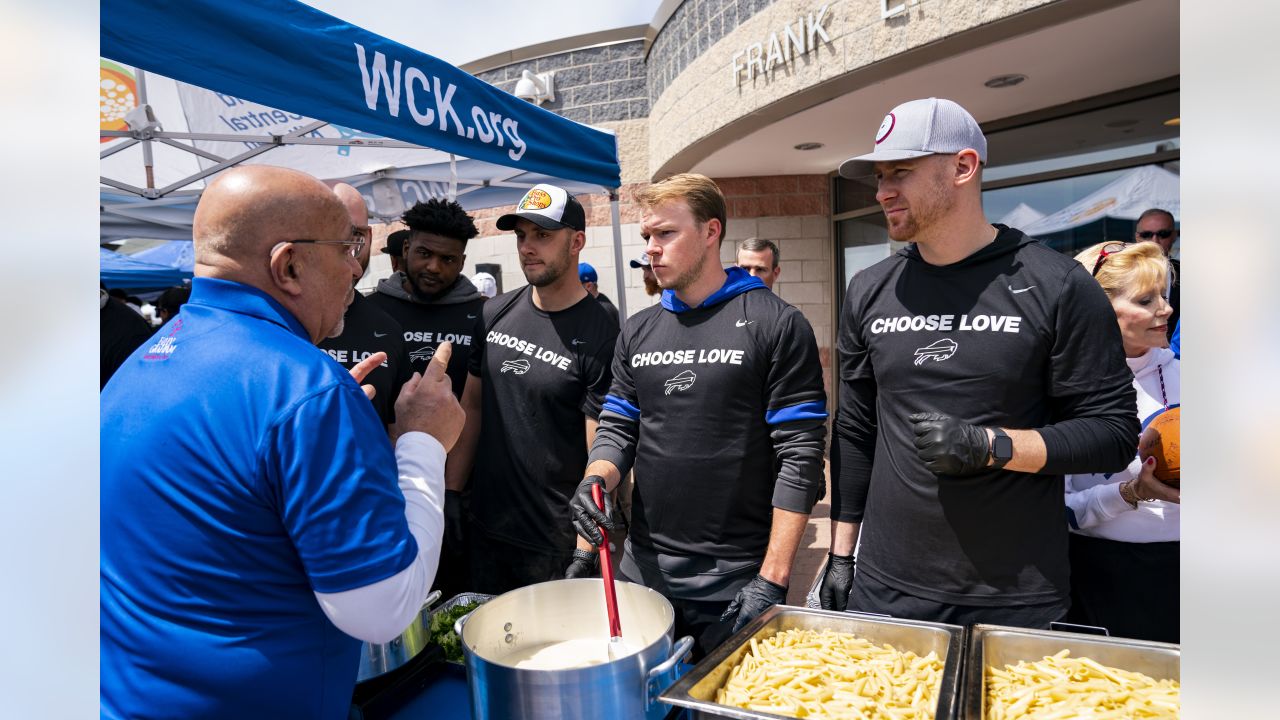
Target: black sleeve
{"points": [[853, 434], [597, 372], [796, 413], [1094, 406], [619, 417], [403, 370], [475, 361]]}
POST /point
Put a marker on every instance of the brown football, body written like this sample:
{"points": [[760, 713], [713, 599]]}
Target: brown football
{"points": [[1162, 440]]}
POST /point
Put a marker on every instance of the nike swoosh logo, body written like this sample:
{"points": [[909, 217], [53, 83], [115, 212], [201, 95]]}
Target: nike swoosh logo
{"points": [[471, 317], [378, 334], [576, 341], [743, 323], [1015, 292]]}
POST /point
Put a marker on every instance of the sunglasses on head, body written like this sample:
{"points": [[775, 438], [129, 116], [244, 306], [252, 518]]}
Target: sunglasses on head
{"points": [[1162, 234], [1108, 249]]}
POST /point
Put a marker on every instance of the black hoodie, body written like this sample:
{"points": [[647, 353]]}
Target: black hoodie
{"points": [[1016, 336], [456, 316]]}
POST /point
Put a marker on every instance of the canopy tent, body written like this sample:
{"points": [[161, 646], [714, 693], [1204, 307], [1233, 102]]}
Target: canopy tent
{"points": [[274, 65], [1124, 198], [122, 271], [1020, 216], [177, 254]]}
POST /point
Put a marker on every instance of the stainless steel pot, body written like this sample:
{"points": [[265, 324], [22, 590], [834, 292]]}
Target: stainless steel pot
{"points": [[559, 611], [381, 658]]}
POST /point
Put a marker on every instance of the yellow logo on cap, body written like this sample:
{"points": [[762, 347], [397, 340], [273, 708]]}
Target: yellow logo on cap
{"points": [[536, 200]]}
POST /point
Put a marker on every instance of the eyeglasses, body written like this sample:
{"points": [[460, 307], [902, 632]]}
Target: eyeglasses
{"points": [[1108, 249], [354, 246], [1162, 234]]}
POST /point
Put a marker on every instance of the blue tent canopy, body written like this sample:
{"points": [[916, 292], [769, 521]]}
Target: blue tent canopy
{"points": [[293, 57], [122, 271], [177, 254]]}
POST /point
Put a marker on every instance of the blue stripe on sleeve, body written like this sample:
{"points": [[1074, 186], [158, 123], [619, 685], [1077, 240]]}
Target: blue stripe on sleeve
{"points": [[816, 410], [621, 407]]}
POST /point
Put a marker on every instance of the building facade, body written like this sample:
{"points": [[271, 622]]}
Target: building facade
{"points": [[768, 98]]}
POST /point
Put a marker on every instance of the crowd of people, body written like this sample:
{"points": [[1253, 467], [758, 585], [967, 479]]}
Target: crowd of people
{"points": [[266, 506]]}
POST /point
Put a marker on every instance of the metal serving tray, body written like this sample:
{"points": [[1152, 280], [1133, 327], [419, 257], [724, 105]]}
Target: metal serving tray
{"points": [[696, 691], [996, 645], [451, 603]]}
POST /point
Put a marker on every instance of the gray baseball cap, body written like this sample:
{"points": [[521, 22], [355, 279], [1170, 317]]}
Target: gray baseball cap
{"points": [[932, 126]]}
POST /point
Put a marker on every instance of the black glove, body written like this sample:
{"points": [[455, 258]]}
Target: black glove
{"points": [[754, 598], [948, 446], [453, 524], [836, 582], [585, 564], [586, 516]]}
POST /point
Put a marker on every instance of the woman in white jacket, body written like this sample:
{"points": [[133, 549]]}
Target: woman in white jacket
{"points": [[1124, 526]]}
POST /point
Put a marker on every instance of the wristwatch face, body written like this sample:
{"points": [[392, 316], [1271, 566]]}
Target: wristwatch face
{"points": [[1002, 448]]}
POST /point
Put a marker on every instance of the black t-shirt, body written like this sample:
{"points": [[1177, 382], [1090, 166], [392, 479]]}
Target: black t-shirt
{"points": [[1006, 337], [427, 325], [607, 304], [709, 386], [543, 374], [367, 330], [121, 332]]}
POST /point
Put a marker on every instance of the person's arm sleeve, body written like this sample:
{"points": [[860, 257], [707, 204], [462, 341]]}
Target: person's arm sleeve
{"points": [[475, 361], [853, 433], [619, 421], [379, 612], [1095, 505], [597, 370], [403, 368], [335, 484], [796, 412], [1093, 404]]}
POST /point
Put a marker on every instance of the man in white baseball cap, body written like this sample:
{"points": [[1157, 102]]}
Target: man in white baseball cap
{"points": [[978, 367]]}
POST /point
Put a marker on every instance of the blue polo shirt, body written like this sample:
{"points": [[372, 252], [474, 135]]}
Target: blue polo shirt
{"points": [[242, 470]]}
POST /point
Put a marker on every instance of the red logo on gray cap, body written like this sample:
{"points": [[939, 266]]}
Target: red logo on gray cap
{"points": [[886, 127]]}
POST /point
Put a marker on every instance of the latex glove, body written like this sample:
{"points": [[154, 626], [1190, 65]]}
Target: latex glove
{"points": [[836, 582], [948, 446], [586, 516], [453, 523], [585, 564], [754, 598]]}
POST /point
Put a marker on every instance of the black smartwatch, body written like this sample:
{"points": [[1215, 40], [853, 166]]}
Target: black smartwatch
{"points": [[1001, 447]]}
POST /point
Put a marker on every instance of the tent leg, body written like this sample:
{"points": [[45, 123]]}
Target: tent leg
{"points": [[617, 253]]}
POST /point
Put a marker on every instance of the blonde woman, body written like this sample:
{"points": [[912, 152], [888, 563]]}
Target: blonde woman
{"points": [[1124, 526]]}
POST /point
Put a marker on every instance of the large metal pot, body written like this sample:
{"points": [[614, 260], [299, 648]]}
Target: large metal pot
{"points": [[563, 610], [381, 658]]}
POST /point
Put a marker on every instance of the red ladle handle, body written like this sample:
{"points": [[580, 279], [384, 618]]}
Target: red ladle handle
{"points": [[606, 570]]}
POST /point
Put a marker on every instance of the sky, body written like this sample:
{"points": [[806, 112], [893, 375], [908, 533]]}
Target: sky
{"points": [[459, 32]]}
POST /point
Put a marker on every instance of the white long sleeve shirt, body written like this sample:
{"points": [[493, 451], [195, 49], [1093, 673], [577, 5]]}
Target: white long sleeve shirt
{"points": [[378, 612], [1094, 502]]}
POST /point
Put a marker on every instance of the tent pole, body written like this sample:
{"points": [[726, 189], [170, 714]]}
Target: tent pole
{"points": [[453, 177], [617, 253], [148, 163]]}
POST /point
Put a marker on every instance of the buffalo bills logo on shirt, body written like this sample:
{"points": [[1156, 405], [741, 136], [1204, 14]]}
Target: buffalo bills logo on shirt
{"points": [[516, 367], [939, 351], [886, 127], [682, 381], [422, 354]]}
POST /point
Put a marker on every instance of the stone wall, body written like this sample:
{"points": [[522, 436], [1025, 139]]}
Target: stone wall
{"points": [[594, 85], [690, 31]]}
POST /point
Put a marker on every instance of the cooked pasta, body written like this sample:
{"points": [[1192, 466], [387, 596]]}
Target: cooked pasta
{"points": [[1060, 686]]}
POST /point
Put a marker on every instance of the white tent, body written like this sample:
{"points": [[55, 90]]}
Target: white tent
{"points": [[1020, 217], [1125, 198]]}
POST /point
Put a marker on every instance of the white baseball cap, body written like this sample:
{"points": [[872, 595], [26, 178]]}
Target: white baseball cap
{"points": [[932, 126], [547, 206]]}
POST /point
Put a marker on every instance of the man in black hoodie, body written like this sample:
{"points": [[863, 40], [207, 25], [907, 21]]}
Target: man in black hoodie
{"points": [[977, 367], [723, 383], [434, 303]]}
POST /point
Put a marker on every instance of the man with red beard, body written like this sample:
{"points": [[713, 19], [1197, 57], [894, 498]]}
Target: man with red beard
{"points": [[537, 385]]}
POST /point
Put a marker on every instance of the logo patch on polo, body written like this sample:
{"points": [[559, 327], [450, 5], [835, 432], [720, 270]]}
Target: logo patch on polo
{"points": [[535, 200]]}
